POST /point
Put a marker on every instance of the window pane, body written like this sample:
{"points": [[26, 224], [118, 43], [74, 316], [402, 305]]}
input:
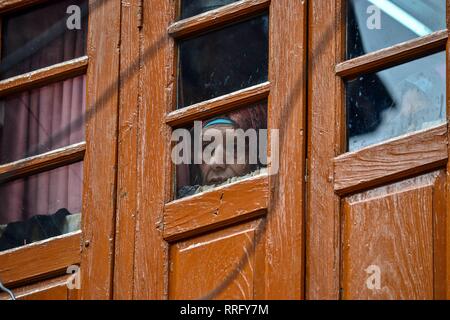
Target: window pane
{"points": [[40, 206], [42, 119], [191, 8], [377, 24], [223, 61], [402, 99], [215, 152], [40, 36]]}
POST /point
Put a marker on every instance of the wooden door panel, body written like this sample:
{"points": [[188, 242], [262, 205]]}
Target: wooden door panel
{"points": [[52, 289], [392, 227], [221, 265]]}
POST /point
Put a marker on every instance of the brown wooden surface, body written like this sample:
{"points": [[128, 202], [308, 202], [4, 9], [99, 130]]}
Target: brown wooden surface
{"points": [[218, 105], [444, 236], [278, 272], [393, 55], [395, 217], [217, 17], [53, 289], [100, 166], [127, 193], [9, 5], [151, 251], [391, 160], [322, 214], [284, 231], [392, 227], [41, 77], [221, 253], [51, 257], [45, 161], [39, 259], [222, 206]]}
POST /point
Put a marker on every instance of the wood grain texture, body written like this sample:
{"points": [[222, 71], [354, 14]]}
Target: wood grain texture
{"points": [[39, 259], [200, 265], [218, 105], [222, 206], [284, 231], [396, 54], [392, 228], [53, 289], [42, 162], [151, 251], [9, 5], [217, 17], [41, 77], [390, 160], [100, 164], [127, 192], [322, 236]]}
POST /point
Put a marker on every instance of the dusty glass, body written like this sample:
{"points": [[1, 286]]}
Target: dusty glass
{"points": [[223, 61], [191, 8], [43, 35], [378, 24], [396, 101]]}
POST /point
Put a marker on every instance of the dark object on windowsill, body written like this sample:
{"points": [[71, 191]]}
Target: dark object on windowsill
{"points": [[37, 228]]}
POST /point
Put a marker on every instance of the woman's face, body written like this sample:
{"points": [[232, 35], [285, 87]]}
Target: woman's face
{"points": [[216, 170]]}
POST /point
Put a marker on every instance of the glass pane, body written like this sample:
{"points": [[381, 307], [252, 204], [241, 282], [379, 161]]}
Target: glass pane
{"points": [[40, 206], [378, 24], [215, 152], [223, 61], [395, 101], [42, 119], [191, 8], [43, 35]]}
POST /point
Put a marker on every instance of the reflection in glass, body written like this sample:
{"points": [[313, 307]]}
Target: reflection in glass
{"points": [[191, 8], [395, 101], [378, 24], [223, 61], [40, 36], [40, 206], [42, 119], [221, 149]]}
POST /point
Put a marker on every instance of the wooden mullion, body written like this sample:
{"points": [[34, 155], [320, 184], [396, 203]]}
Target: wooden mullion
{"points": [[214, 18], [390, 160], [218, 105], [57, 72], [216, 208], [100, 162], [127, 193], [39, 259], [391, 56], [283, 229], [322, 214], [42, 162]]}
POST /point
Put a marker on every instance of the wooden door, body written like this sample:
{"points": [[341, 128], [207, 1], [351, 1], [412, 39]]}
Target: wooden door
{"points": [[378, 196], [64, 77], [242, 240]]}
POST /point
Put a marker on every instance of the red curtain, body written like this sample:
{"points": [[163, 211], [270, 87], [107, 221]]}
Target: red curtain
{"points": [[41, 120]]}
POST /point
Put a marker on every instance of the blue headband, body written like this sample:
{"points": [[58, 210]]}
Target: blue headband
{"points": [[218, 121]]}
